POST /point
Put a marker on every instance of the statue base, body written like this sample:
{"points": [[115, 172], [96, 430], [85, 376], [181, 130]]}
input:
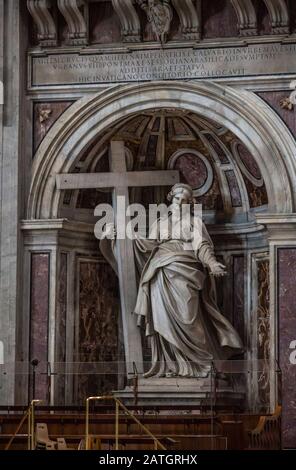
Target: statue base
{"points": [[199, 393]]}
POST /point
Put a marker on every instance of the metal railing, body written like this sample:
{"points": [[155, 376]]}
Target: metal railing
{"points": [[30, 416], [118, 404]]}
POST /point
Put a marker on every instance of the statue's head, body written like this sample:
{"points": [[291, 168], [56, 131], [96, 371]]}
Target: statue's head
{"points": [[181, 193]]}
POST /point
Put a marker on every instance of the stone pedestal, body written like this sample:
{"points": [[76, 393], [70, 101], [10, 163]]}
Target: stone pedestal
{"points": [[178, 391]]}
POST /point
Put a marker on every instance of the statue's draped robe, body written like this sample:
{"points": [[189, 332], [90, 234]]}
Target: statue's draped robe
{"points": [[177, 300]]}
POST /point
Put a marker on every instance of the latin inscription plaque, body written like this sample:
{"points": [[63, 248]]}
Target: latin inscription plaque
{"points": [[167, 64]]}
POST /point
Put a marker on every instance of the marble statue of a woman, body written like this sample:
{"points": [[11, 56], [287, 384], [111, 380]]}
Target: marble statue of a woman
{"points": [[176, 298]]}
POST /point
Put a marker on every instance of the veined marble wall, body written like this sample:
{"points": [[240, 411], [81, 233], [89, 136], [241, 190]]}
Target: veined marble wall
{"points": [[287, 334], [274, 98], [44, 115], [40, 265], [98, 327], [61, 327]]}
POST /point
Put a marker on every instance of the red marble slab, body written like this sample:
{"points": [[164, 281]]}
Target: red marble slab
{"points": [[39, 320], [287, 334]]}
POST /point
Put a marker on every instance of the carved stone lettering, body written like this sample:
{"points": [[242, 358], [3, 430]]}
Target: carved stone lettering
{"points": [[170, 64]]}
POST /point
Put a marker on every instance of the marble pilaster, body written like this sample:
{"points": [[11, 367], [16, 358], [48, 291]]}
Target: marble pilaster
{"points": [[10, 189], [282, 242]]}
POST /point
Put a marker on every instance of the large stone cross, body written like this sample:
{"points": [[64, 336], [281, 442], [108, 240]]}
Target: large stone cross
{"points": [[120, 180]]}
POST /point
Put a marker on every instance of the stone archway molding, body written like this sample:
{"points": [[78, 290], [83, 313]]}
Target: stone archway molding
{"points": [[242, 112]]}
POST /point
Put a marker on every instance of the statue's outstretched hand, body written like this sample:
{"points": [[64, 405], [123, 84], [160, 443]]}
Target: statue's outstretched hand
{"points": [[218, 269], [110, 232]]}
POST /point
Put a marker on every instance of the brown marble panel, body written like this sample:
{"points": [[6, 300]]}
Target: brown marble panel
{"points": [[151, 150], [98, 324], [39, 320], [263, 328], [233, 188], [192, 170], [45, 115], [218, 149], [249, 161], [238, 282], [219, 19], [273, 98], [257, 195], [287, 333], [60, 327]]}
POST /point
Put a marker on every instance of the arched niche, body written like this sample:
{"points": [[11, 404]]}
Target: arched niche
{"points": [[244, 114], [257, 128]]}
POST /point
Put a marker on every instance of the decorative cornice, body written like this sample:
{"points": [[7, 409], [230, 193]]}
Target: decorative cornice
{"points": [[55, 224], [129, 20], [281, 227], [189, 18], [75, 13], [46, 28], [279, 16], [246, 15]]}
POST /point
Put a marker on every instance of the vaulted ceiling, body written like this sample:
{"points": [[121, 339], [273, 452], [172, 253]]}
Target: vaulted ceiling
{"points": [[224, 175]]}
